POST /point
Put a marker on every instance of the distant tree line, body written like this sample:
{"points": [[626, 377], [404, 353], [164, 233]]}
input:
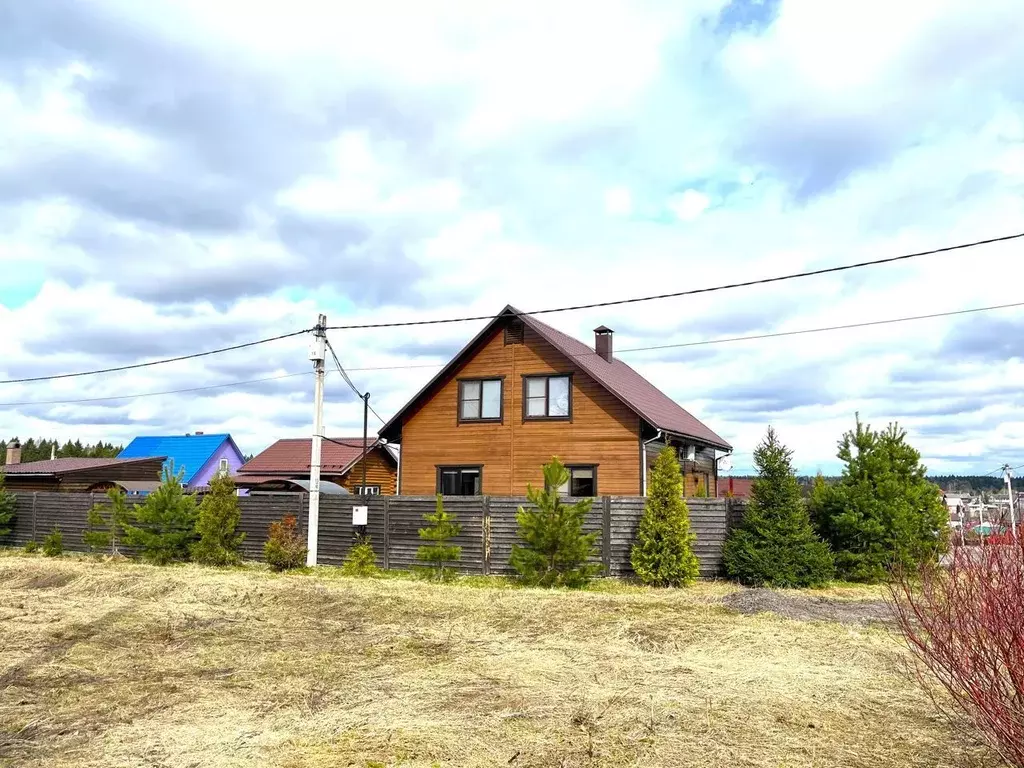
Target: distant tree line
{"points": [[41, 449]]}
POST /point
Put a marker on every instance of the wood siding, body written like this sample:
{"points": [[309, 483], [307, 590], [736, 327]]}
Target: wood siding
{"points": [[84, 480], [380, 470], [602, 431], [700, 473]]}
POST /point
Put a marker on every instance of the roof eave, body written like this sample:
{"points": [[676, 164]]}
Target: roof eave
{"points": [[392, 431]]}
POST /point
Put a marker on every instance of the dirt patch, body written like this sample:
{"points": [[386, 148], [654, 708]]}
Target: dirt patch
{"points": [[808, 607], [54, 580]]}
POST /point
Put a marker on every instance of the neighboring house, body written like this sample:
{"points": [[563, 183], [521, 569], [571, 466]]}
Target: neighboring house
{"points": [[735, 487], [80, 475], [521, 392], [200, 456], [286, 463]]}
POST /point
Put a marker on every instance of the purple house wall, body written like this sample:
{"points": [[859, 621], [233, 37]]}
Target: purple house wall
{"points": [[228, 450]]}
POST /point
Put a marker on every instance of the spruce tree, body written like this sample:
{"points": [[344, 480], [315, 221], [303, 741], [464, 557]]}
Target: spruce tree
{"points": [[883, 512], [8, 508], [105, 522], [775, 545], [163, 526], [662, 554], [442, 528], [555, 551], [361, 560], [219, 515]]}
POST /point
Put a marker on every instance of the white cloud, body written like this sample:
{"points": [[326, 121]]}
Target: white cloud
{"points": [[618, 201], [525, 185], [689, 205]]}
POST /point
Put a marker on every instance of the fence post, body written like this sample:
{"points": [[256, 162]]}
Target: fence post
{"points": [[485, 532], [606, 535], [387, 534], [35, 495]]}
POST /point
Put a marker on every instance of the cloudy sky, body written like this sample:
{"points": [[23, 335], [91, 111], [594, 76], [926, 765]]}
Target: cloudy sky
{"points": [[179, 176]]}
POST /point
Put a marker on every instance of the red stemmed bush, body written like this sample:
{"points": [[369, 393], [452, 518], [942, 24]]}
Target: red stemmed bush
{"points": [[964, 625]]}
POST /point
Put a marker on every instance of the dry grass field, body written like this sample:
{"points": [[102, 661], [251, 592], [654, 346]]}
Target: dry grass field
{"points": [[120, 664]]}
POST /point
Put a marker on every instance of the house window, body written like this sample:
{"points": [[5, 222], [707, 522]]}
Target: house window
{"points": [[582, 481], [459, 481], [480, 400], [367, 490], [547, 397], [223, 466]]}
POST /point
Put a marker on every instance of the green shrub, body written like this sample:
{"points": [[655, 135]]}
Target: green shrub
{"points": [[883, 512], [663, 552], [439, 553], [284, 549], [163, 526], [775, 545], [53, 544], [105, 522], [361, 559], [555, 550], [8, 508], [219, 514], [31, 547]]}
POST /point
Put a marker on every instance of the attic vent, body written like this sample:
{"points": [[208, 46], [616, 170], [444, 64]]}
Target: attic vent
{"points": [[514, 332]]}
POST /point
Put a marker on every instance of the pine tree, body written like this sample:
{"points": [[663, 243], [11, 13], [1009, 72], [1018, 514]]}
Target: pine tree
{"points": [[361, 560], [442, 528], [219, 515], [776, 545], [662, 554], [555, 550], [883, 512], [163, 526], [8, 508], [105, 522]]}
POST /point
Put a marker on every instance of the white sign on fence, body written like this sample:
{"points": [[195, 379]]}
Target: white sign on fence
{"points": [[359, 515]]}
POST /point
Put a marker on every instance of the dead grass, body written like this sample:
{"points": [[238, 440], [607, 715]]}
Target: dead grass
{"points": [[120, 664]]}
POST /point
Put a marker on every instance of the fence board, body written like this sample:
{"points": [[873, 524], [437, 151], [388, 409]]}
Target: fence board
{"points": [[489, 527]]}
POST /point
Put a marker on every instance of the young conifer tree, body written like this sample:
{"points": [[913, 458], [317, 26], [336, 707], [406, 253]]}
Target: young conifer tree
{"points": [[555, 550], [105, 522], [440, 552], [7, 509], [775, 545], [219, 515], [663, 552], [163, 526]]}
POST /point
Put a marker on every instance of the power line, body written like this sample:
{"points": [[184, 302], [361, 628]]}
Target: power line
{"points": [[156, 362], [759, 336], [155, 394], [695, 291], [360, 395], [848, 326], [724, 340]]}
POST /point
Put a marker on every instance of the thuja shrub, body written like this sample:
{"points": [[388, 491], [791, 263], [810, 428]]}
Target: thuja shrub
{"points": [[284, 548], [964, 627]]}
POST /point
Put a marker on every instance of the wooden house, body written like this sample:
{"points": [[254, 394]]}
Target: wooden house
{"points": [[81, 475], [341, 462], [521, 392]]}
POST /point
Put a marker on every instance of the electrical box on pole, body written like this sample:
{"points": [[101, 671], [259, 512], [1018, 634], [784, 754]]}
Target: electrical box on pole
{"points": [[317, 353]]}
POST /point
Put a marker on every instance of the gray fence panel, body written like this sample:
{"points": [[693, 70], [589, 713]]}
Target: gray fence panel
{"points": [[395, 535]]}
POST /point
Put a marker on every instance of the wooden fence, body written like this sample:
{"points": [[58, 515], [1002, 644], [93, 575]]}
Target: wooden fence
{"points": [[489, 528]]}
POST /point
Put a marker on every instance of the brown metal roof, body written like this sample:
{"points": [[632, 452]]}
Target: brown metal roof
{"points": [[67, 466], [636, 392], [291, 457], [649, 402]]}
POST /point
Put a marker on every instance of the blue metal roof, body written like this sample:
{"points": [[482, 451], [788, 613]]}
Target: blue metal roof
{"points": [[189, 452]]}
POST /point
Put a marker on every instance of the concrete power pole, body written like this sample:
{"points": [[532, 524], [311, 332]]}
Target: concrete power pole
{"points": [[1008, 474], [317, 352]]}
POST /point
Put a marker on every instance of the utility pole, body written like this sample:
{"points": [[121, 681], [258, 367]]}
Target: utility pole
{"points": [[317, 352], [366, 414], [1008, 474]]}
